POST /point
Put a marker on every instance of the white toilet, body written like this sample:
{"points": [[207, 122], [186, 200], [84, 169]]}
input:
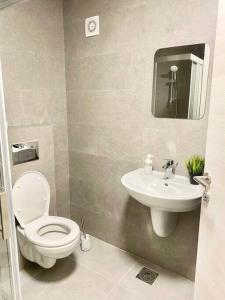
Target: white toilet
{"points": [[42, 238]]}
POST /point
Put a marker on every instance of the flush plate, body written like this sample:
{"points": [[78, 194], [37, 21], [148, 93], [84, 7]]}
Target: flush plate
{"points": [[25, 152]]}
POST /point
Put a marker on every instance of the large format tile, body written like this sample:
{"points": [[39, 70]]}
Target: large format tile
{"points": [[66, 280], [108, 261], [103, 273], [104, 107], [167, 286], [103, 141], [121, 293], [104, 72], [29, 271], [82, 9], [116, 26], [33, 25]]}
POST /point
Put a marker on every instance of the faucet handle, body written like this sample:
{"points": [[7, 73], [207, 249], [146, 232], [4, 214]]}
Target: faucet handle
{"points": [[175, 163], [170, 168], [169, 162]]}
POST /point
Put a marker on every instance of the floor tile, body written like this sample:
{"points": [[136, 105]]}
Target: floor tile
{"points": [[168, 285], [108, 261], [121, 293], [104, 273], [66, 280], [29, 271]]}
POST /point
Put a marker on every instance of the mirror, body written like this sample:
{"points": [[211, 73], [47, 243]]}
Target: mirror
{"points": [[180, 82]]}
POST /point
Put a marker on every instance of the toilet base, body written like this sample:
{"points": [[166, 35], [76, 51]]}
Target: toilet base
{"points": [[31, 254]]}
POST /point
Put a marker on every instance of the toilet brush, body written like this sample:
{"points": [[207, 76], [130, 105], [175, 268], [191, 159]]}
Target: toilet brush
{"points": [[85, 242]]}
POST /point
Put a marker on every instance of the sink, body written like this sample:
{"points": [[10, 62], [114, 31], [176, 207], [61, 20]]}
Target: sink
{"points": [[166, 198]]}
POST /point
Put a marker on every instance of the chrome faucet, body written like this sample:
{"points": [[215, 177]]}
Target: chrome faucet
{"points": [[170, 168]]}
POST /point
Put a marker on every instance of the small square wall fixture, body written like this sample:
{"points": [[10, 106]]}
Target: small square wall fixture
{"points": [[92, 26]]}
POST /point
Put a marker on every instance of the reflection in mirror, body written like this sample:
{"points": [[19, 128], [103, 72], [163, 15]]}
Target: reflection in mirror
{"points": [[180, 82]]}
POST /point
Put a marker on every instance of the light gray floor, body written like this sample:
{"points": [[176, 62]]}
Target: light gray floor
{"points": [[104, 273], [5, 284]]}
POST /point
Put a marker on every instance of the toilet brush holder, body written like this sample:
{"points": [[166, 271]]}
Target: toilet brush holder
{"points": [[85, 242]]}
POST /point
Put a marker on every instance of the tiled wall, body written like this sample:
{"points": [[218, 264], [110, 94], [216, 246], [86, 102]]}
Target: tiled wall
{"points": [[46, 162], [111, 128], [32, 55], [110, 125]]}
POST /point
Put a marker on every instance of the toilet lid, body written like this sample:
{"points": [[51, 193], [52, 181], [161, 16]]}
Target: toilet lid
{"points": [[31, 197], [52, 231]]}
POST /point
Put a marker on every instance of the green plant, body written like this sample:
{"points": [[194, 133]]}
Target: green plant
{"points": [[195, 165]]}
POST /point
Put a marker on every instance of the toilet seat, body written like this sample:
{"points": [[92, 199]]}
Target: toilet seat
{"points": [[52, 231]]}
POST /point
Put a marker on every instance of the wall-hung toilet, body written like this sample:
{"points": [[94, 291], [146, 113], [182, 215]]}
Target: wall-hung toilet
{"points": [[42, 238]]}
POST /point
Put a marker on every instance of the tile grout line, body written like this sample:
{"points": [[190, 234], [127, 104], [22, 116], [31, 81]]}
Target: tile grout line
{"points": [[34, 276], [115, 247], [89, 269], [135, 257], [97, 273], [120, 280], [136, 260]]}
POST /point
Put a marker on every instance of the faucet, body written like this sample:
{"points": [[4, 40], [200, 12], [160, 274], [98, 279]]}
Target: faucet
{"points": [[170, 168]]}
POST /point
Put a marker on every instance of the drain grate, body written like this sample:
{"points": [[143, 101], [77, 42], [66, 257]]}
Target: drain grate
{"points": [[147, 275]]}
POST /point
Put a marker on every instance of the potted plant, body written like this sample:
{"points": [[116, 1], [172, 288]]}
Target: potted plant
{"points": [[195, 165]]}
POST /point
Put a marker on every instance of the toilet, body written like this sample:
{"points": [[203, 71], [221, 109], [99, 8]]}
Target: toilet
{"points": [[42, 238]]}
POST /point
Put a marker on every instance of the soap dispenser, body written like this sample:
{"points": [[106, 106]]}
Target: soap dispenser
{"points": [[148, 164]]}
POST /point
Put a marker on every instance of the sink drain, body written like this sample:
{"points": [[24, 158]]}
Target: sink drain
{"points": [[147, 275]]}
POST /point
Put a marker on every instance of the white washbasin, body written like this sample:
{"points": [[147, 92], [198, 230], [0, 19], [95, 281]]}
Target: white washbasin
{"points": [[165, 197]]}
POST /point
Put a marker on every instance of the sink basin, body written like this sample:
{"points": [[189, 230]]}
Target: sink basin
{"points": [[165, 197]]}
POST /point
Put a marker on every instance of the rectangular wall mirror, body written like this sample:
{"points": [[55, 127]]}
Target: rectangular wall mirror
{"points": [[180, 82]]}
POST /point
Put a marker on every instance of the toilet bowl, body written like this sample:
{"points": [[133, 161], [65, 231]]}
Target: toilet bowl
{"points": [[42, 238]]}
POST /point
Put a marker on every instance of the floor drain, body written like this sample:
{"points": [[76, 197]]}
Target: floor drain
{"points": [[147, 275]]}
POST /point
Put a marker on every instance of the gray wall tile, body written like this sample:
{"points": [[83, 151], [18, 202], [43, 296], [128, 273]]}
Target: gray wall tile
{"points": [[32, 55], [110, 124]]}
